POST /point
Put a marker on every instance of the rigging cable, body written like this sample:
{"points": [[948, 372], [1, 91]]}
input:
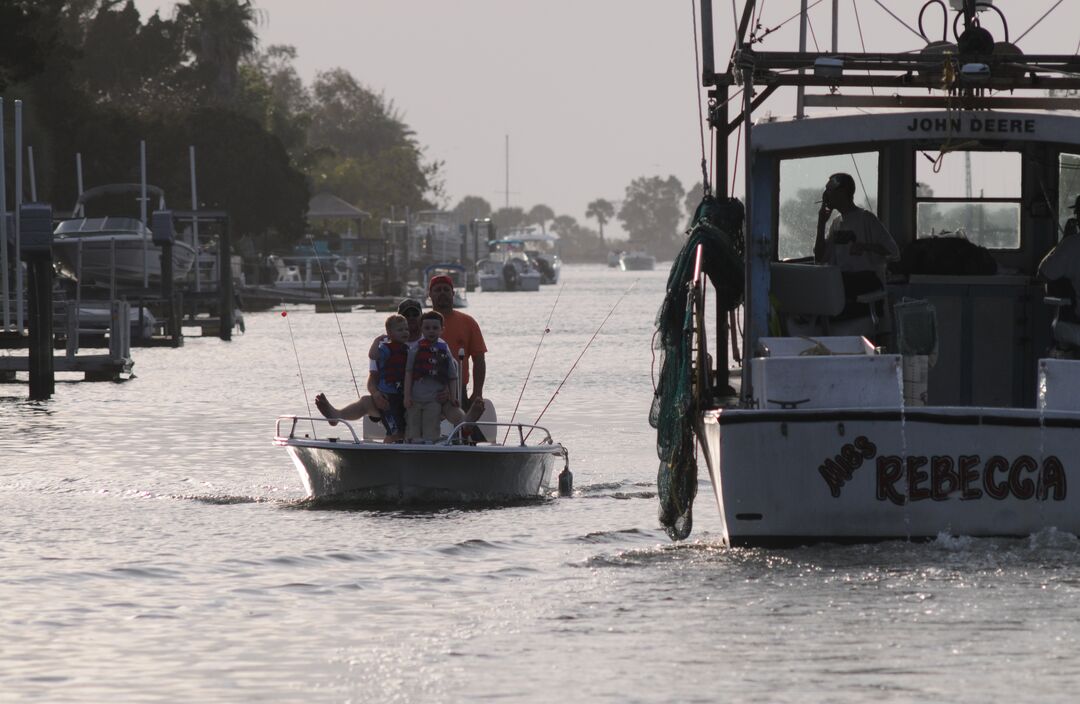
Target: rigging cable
{"points": [[1039, 21], [285, 314], [326, 287], [769, 31], [701, 120], [547, 329], [735, 168], [893, 15], [862, 41], [586, 349]]}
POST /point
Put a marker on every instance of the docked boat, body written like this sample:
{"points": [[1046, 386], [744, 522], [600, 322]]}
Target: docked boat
{"points": [[457, 273], [336, 461], [507, 268], [100, 251], [637, 260], [945, 401]]}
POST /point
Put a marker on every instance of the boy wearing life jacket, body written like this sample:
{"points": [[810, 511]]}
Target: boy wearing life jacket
{"points": [[429, 370], [391, 363]]}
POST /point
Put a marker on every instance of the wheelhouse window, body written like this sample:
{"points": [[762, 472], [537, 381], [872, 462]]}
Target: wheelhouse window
{"points": [[971, 194], [802, 182], [1068, 187]]}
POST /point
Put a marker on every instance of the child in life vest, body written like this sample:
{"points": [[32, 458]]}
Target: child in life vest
{"points": [[430, 369], [390, 364]]}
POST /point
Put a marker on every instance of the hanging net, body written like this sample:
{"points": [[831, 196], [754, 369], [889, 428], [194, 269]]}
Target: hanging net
{"points": [[717, 227]]}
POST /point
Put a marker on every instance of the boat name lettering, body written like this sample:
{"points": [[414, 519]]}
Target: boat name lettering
{"points": [[901, 480], [839, 469], [918, 478], [974, 124]]}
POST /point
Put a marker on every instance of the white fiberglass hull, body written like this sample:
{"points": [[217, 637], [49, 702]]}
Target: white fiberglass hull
{"points": [[124, 254], [529, 281], [850, 475], [403, 472], [637, 262]]}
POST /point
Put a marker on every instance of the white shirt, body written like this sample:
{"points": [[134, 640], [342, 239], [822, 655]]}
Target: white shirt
{"points": [[866, 229]]}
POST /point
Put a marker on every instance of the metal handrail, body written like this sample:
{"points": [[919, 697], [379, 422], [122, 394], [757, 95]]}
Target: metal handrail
{"points": [[456, 432], [455, 436], [296, 419]]}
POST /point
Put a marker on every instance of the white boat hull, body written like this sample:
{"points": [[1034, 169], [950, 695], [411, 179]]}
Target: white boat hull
{"points": [[495, 282], [642, 262], [803, 476], [97, 260], [395, 473]]}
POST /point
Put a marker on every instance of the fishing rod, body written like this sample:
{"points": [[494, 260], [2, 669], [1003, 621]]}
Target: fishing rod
{"points": [[547, 329], [574, 365], [285, 314], [330, 299]]}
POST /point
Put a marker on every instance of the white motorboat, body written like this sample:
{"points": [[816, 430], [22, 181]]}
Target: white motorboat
{"points": [[637, 260], [334, 461], [507, 268], [963, 416], [542, 250], [101, 250], [457, 273]]}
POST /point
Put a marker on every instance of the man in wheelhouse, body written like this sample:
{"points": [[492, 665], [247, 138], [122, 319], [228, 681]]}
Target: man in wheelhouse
{"points": [[857, 242]]}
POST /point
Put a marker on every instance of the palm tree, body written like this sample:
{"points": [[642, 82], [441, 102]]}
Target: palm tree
{"points": [[603, 211], [540, 214], [219, 33]]}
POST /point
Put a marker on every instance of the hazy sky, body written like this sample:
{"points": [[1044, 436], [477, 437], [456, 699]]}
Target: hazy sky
{"points": [[593, 93]]}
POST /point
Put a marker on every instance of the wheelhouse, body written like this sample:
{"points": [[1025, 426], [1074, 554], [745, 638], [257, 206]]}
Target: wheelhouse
{"points": [[1002, 181]]}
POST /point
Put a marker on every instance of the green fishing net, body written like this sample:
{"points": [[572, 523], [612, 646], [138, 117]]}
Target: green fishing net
{"points": [[717, 226]]}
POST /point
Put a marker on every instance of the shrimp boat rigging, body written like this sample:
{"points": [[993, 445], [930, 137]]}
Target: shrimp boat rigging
{"points": [[963, 416]]}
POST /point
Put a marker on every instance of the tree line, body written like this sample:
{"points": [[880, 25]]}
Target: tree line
{"points": [[97, 77], [654, 213]]}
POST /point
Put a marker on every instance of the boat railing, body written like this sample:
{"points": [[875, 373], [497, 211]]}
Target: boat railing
{"points": [[295, 420], [457, 436]]}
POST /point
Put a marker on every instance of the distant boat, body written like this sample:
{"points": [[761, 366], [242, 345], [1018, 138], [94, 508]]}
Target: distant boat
{"points": [[97, 251], [507, 268], [457, 273], [637, 261], [541, 249]]}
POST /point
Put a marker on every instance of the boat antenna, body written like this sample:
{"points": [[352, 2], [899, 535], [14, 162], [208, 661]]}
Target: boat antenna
{"points": [[574, 365], [330, 299], [547, 329], [285, 314]]}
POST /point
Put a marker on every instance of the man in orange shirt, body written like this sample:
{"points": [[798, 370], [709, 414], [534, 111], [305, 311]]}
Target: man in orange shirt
{"points": [[461, 332]]}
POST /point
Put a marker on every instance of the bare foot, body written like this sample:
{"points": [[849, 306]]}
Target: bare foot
{"points": [[475, 411], [326, 408], [396, 438]]}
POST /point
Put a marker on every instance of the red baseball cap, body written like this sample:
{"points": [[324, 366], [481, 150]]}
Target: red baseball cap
{"points": [[440, 279]]}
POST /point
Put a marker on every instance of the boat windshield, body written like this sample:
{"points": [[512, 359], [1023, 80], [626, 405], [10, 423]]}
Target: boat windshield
{"points": [[99, 225], [975, 194]]}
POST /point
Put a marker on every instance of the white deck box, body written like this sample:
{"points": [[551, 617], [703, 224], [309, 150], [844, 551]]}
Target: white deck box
{"points": [[825, 372]]}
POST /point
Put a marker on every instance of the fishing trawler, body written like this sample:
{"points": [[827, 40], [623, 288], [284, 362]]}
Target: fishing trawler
{"points": [[945, 401]]}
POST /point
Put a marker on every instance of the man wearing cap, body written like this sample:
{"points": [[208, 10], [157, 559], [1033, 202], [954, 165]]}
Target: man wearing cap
{"points": [[372, 404], [461, 332]]}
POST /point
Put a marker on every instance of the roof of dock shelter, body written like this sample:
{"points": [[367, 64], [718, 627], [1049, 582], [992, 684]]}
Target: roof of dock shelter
{"points": [[327, 206]]}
